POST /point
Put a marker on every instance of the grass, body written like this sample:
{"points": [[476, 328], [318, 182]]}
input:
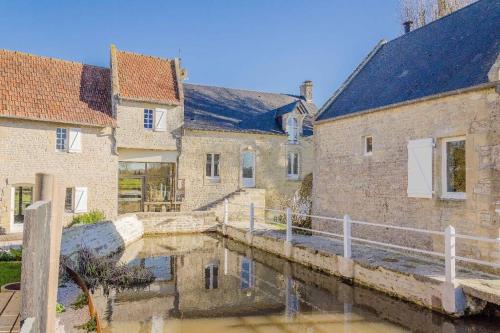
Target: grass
{"points": [[10, 272]]}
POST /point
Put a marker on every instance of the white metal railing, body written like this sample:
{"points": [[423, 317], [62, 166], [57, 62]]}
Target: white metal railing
{"points": [[449, 234]]}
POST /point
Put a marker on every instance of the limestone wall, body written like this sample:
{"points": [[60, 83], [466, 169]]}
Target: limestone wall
{"points": [[131, 133], [28, 147], [373, 188], [271, 158], [104, 237]]}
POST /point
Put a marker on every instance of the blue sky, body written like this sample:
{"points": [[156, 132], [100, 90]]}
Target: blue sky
{"points": [[268, 45]]}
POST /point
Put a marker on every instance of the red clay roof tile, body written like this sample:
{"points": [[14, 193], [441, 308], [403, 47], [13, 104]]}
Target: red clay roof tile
{"points": [[147, 78], [48, 89]]}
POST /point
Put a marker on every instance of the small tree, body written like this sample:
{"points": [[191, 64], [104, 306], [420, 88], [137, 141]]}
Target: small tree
{"points": [[422, 12]]}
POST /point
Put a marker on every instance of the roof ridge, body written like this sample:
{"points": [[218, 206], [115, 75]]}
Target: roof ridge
{"points": [[351, 77], [51, 58], [436, 20], [241, 89], [145, 55]]}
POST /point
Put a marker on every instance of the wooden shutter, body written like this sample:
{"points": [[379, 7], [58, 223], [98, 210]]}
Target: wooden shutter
{"points": [[75, 140], [160, 120], [80, 203], [420, 168]]}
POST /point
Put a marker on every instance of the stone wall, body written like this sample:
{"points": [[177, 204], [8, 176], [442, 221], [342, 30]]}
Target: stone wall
{"points": [[28, 147], [177, 222], [103, 237], [373, 188], [271, 158], [131, 133]]}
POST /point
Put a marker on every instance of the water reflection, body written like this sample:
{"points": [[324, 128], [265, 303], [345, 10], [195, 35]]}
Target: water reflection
{"points": [[207, 284]]}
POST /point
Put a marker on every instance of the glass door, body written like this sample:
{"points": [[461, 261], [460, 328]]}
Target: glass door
{"points": [[131, 187], [248, 168], [21, 197]]}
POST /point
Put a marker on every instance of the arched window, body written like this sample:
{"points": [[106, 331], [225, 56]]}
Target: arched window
{"points": [[292, 129]]}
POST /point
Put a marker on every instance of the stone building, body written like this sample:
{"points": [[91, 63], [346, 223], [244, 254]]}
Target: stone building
{"points": [[248, 144], [55, 117], [120, 140], [412, 138]]}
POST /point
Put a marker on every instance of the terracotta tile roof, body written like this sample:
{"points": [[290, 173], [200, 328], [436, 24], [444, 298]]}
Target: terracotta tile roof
{"points": [[47, 89], [146, 78]]}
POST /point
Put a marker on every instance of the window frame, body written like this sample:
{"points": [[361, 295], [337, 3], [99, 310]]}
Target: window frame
{"points": [[149, 118], [365, 145], [65, 140], [292, 176], [212, 177], [293, 135], [70, 194], [444, 170]]}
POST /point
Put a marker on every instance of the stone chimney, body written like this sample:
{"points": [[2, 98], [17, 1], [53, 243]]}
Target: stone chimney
{"points": [[407, 26], [306, 91]]}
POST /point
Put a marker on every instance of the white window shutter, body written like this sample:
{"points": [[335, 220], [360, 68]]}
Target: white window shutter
{"points": [[75, 140], [420, 168], [160, 120], [80, 202]]}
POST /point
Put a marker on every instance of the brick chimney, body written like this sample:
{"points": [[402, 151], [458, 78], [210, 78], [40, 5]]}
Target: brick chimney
{"points": [[306, 91]]}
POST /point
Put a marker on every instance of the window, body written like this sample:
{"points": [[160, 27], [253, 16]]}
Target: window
{"points": [[212, 276], [148, 118], [293, 166], [292, 129], [68, 201], [212, 166], [247, 277], [454, 173], [367, 145], [23, 197], [61, 139]]}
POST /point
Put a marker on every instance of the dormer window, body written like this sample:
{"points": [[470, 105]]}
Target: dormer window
{"points": [[292, 127]]}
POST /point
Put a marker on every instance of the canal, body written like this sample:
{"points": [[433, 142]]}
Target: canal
{"points": [[208, 284]]}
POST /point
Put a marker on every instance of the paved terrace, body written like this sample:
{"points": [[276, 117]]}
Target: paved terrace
{"points": [[475, 283], [10, 305]]}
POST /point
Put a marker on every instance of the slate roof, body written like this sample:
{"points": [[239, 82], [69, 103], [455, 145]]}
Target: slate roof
{"points": [[146, 78], [226, 109], [454, 52], [47, 89]]}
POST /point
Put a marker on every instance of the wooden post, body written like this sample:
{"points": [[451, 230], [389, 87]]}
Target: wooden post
{"points": [[41, 250], [347, 237]]}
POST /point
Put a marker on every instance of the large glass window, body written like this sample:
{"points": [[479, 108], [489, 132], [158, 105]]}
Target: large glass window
{"points": [[212, 166], [293, 166], [454, 168], [148, 118], [141, 184]]}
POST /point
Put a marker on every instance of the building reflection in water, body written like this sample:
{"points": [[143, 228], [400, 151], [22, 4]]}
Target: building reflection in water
{"points": [[192, 294]]}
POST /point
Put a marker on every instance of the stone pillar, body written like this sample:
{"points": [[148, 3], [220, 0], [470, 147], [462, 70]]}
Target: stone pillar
{"points": [[41, 250]]}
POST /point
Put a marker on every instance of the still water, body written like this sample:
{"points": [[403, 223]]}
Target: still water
{"points": [[207, 284]]}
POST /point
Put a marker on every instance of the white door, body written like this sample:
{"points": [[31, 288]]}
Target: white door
{"points": [[248, 168]]}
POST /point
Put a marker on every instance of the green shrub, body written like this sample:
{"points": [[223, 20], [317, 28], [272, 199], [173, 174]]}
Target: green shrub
{"points": [[89, 326], [88, 218], [60, 308], [11, 255], [80, 302]]}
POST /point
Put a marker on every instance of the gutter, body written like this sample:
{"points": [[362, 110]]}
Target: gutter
{"points": [[413, 101]]}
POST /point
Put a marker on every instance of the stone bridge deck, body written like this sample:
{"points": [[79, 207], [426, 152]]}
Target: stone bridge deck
{"points": [[406, 276]]}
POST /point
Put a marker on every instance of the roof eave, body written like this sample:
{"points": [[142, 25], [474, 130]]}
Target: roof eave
{"points": [[149, 100], [413, 101], [111, 123]]}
